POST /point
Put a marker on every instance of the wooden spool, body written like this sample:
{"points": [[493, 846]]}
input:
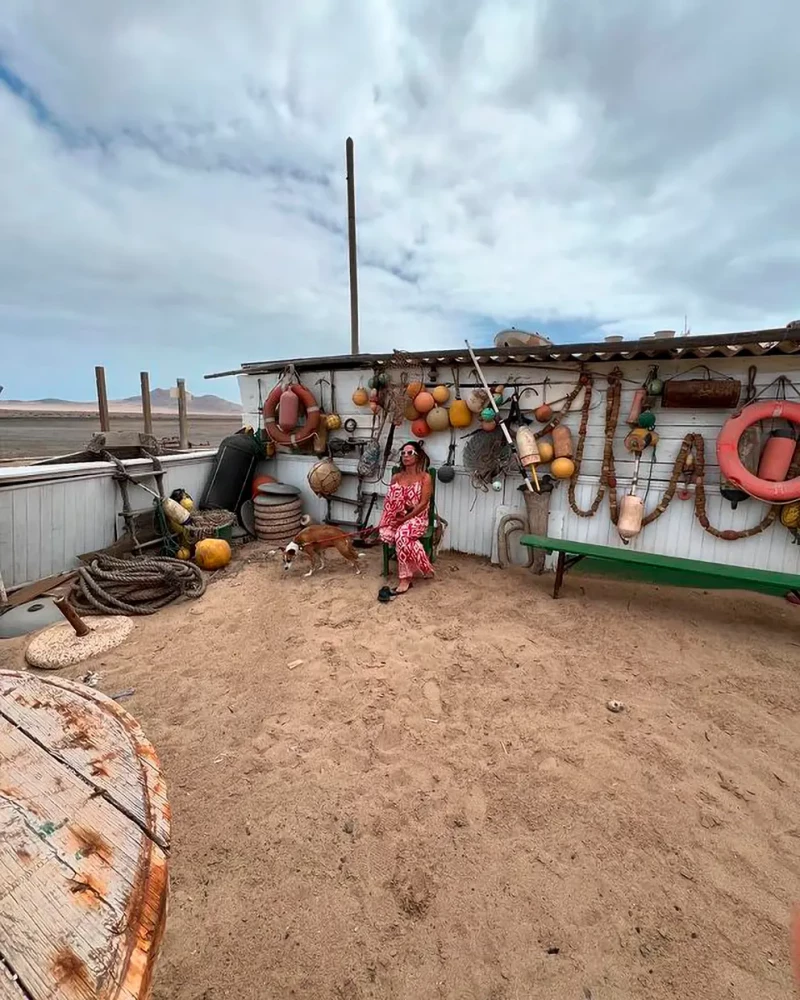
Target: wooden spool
{"points": [[83, 857]]}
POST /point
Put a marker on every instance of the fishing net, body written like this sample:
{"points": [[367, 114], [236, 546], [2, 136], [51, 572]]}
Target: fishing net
{"points": [[488, 455]]}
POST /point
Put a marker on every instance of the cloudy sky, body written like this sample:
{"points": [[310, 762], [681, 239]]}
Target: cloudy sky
{"points": [[172, 184]]}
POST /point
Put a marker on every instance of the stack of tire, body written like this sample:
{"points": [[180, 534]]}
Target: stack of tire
{"points": [[277, 519]]}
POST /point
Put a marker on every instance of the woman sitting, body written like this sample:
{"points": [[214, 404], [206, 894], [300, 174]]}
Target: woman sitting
{"points": [[405, 514]]}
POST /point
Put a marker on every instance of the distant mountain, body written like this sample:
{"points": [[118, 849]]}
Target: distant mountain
{"points": [[162, 400]]}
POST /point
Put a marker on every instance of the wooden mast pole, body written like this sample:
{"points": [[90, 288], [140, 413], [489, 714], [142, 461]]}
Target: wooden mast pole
{"points": [[351, 245]]}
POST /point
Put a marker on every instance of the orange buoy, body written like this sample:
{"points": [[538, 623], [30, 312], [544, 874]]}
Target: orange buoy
{"points": [[424, 402], [441, 394], [562, 442], [543, 413], [489, 425], [777, 456], [288, 411], [410, 412], [562, 468], [413, 389], [360, 396], [420, 428]]}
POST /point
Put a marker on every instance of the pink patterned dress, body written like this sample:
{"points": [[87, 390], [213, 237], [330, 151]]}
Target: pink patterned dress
{"points": [[411, 557]]}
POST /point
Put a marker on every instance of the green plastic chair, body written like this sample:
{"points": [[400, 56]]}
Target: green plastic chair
{"points": [[389, 552]]}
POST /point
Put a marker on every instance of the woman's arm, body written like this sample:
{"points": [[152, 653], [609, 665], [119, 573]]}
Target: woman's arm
{"points": [[424, 500]]}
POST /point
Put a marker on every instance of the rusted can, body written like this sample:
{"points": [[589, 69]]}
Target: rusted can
{"points": [[702, 393]]}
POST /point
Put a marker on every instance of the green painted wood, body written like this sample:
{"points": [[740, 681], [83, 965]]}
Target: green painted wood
{"points": [[669, 570]]}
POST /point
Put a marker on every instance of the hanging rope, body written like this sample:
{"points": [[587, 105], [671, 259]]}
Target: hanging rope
{"points": [[110, 586], [694, 442], [608, 479]]}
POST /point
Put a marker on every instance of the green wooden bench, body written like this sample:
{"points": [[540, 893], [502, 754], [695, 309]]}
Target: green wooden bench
{"points": [[667, 570]]}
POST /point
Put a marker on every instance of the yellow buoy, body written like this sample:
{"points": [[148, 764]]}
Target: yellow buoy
{"points": [[212, 553], [460, 414], [441, 394], [545, 452], [562, 468]]}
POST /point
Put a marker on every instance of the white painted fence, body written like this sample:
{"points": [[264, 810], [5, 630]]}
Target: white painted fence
{"points": [[50, 514]]}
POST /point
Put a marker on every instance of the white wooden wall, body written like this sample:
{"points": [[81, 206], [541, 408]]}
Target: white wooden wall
{"points": [[49, 515], [471, 514]]}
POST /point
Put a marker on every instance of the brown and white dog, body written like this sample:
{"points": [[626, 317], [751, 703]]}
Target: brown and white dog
{"points": [[312, 542]]}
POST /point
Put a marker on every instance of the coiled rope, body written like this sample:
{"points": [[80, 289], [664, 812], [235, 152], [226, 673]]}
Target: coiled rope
{"points": [[110, 586]]}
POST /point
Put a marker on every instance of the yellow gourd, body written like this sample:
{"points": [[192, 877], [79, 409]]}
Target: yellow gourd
{"points": [[212, 553], [441, 394], [562, 468], [360, 397], [790, 515], [460, 414]]}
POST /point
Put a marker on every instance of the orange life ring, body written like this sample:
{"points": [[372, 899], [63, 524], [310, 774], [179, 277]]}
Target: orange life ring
{"points": [[730, 465], [303, 433]]}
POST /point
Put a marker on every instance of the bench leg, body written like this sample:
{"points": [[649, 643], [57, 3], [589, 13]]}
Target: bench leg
{"points": [[559, 574]]}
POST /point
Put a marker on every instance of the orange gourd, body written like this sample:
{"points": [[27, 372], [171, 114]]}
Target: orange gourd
{"points": [[420, 428], [562, 468], [411, 412], [424, 402], [212, 553]]}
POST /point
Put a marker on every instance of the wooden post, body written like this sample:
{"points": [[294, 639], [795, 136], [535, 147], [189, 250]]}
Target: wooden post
{"points": [[351, 244], [72, 616], [562, 558], [183, 425], [102, 397], [147, 413]]}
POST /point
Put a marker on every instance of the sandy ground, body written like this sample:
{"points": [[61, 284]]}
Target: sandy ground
{"points": [[436, 803], [45, 434]]}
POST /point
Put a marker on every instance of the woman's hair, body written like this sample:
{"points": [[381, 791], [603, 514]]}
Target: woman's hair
{"points": [[423, 461]]}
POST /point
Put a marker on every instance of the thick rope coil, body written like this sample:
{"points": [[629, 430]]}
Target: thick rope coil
{"points": [[110, 586]]}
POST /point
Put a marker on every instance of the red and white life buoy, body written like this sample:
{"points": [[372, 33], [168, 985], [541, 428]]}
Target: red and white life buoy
{"points": [[730, 465], [293, 437]]}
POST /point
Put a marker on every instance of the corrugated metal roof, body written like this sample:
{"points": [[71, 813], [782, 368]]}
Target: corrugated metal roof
{"points": [[754, 343]]}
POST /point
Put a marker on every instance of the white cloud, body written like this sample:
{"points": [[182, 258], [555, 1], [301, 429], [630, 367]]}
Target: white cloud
{"points": [[173, 190]]}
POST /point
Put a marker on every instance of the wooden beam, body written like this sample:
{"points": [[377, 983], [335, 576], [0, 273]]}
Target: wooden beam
{"points": [[102, 397], [183, 422], [147, 413]]}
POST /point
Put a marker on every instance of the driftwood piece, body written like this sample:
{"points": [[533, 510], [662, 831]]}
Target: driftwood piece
{"points": [[83, 856], [34, 590]]}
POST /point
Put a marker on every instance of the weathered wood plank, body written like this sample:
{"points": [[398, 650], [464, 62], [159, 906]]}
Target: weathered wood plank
{"points": [[82, 884], [96, 738], [34, 590], [8, 988]]}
